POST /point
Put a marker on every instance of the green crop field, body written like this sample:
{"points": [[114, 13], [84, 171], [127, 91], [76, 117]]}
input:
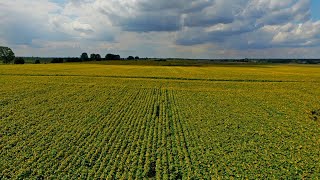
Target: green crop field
{"points": [[91, 121]]}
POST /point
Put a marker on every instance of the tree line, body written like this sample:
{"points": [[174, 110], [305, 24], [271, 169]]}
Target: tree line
{"points": [[84, 57], [7, 56]]}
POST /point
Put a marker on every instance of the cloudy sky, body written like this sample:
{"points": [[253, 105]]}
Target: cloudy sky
{"points": [[162, 28]]}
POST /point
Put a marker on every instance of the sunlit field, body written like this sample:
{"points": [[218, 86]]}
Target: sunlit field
{"points": [[91, 121]]}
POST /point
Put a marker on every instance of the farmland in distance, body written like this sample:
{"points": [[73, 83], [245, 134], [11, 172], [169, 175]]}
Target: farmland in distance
{"points": [[92, 121]]}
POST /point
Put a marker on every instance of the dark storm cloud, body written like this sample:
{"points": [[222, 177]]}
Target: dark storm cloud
{"points": [[205, 21], [265, 17], [177, 5], [154, 15], [152, 22], [216, 21]]}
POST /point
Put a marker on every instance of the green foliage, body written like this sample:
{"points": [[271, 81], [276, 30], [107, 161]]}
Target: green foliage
{"points": [[37, 61], [57, 60], [98, 57], [19, 60], [6, 55], [70, 59], [112, 57], [84, 57], [95, 57]]}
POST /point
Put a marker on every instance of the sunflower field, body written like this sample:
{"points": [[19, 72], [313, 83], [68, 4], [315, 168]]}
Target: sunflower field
{"points": [[95, 121]]}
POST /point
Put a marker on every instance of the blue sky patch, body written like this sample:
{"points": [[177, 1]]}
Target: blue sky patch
{"points": [[315, 9]]}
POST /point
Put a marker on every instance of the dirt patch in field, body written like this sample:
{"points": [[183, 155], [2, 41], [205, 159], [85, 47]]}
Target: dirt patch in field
{"points": [[152, 170], [315, 115]]}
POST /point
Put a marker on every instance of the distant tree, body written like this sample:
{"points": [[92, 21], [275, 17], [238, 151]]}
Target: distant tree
{"points": [[84, 57], [310, 61], [95, 57], [130, 58], [57, 60], [109, 56], [37, 61], [6, 54], [98, 57], [72, 59], [19, 60], [112, 57], [137, 57], [117, 57], [92, 57]]}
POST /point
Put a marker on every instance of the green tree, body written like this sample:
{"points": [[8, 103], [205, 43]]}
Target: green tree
{"points": [[117, 57], [19, 60], [113, 57], [37, 61], [6, 54], [109, 57], [98, 57], [57, 60], [95, 57], [84, 57], [92, 57]]}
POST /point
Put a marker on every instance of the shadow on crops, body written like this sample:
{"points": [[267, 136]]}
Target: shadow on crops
{"points": [[315, 115]]}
